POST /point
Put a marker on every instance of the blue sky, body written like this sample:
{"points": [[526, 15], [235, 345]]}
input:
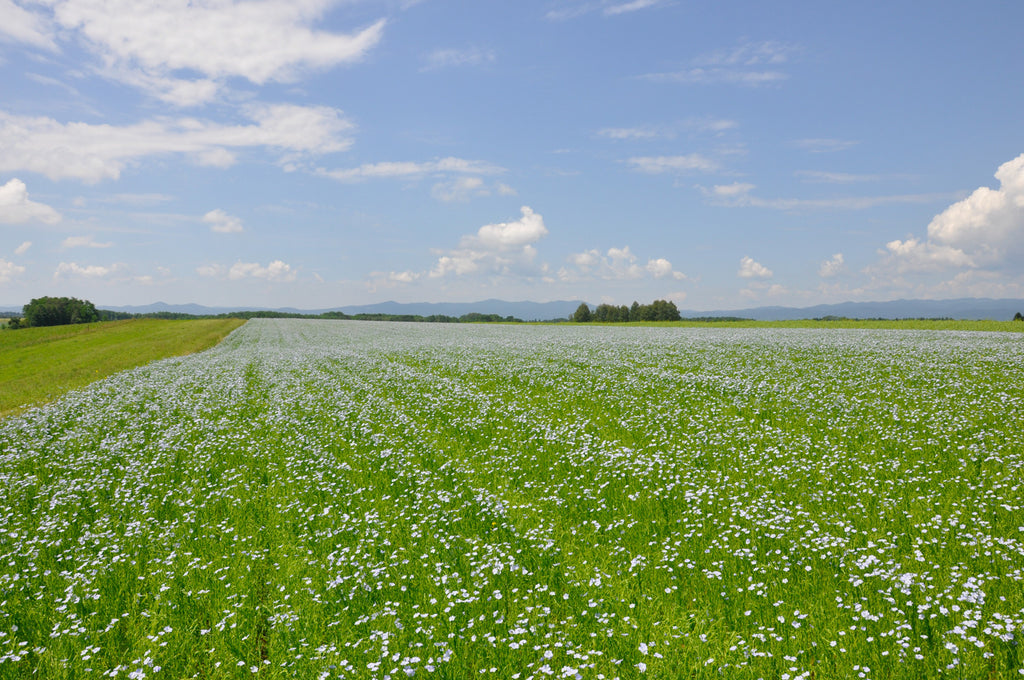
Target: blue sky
{"points": [[320, 153]]}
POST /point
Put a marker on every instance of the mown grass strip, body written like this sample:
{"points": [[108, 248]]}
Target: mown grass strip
{"points": [[38, 365]]}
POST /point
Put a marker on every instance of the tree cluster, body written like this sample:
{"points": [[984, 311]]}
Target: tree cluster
{"points": [[58, 311], [659, 310]]}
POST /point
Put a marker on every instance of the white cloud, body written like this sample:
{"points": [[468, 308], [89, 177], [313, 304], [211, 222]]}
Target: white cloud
{"points": [[500, 249], [834, 266], [22, 26], [459, 189], [836, 177], [222, 222], [660, 268], [16, 208], [73, 269], [9, 270], [635, 5], [989, 222], [23, 248], [749, 269], [748, 64], [92, 153], [410, 169], [608, 8], [210, 270], [645, 132], [983, 231], [506, 235], [156, 45], [617, 264], [275, 271], [404, 277], [706, 124], [913, 255], [447, 58], [661, 164], [83, 242]]}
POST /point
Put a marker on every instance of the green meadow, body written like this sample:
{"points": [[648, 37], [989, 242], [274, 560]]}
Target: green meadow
{"points": [[334, 499], [40, 364]]}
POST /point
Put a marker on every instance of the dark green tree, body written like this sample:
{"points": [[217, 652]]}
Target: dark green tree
{"points": [[59, 311], [1018, 317], [582, 313]]}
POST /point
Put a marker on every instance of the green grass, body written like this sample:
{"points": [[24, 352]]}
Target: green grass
{"points": [[38, 365]]}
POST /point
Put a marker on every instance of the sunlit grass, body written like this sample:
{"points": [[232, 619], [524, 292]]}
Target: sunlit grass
{"points": [[360, 500], [40, 364]]}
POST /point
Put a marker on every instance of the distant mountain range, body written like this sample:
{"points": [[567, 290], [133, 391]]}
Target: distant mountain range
{"points": [[962, 308]]}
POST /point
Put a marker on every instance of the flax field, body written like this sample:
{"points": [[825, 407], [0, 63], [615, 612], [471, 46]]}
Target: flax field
{"points": [[332, 499]]}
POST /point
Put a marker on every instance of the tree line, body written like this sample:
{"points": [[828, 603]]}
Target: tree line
{"points": [[659, 310], [62, 311]]}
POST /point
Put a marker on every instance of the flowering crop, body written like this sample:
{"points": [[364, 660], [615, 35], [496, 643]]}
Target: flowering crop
{"points": [[325, 499]]}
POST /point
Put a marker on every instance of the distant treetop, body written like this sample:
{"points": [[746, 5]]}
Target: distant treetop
{"points": [[59, 311]]}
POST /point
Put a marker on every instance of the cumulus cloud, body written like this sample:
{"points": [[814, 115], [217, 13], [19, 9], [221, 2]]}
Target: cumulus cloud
{"points": [[500, 249], [661, 164], [834, 266], [9, 270], [16, 208], [83, 242], [222, 222], [23, 248], [92, 153], [750, 64], [984, 230], [750, 269], [989, 222], [277, 271], [617, 264], [73, 269], [163, 46]]}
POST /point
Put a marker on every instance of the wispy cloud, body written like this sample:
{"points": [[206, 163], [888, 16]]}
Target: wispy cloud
{"points": [[740, 194], [608, 8], [412, 169], [837, 177], [672, 164], [83, 242], [92, 153], [749, 64], [450, 58], [825, 145], [21, 25], [182, 52]]}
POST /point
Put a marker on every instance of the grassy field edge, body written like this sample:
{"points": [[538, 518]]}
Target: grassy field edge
{"points": [[38, 365]]}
